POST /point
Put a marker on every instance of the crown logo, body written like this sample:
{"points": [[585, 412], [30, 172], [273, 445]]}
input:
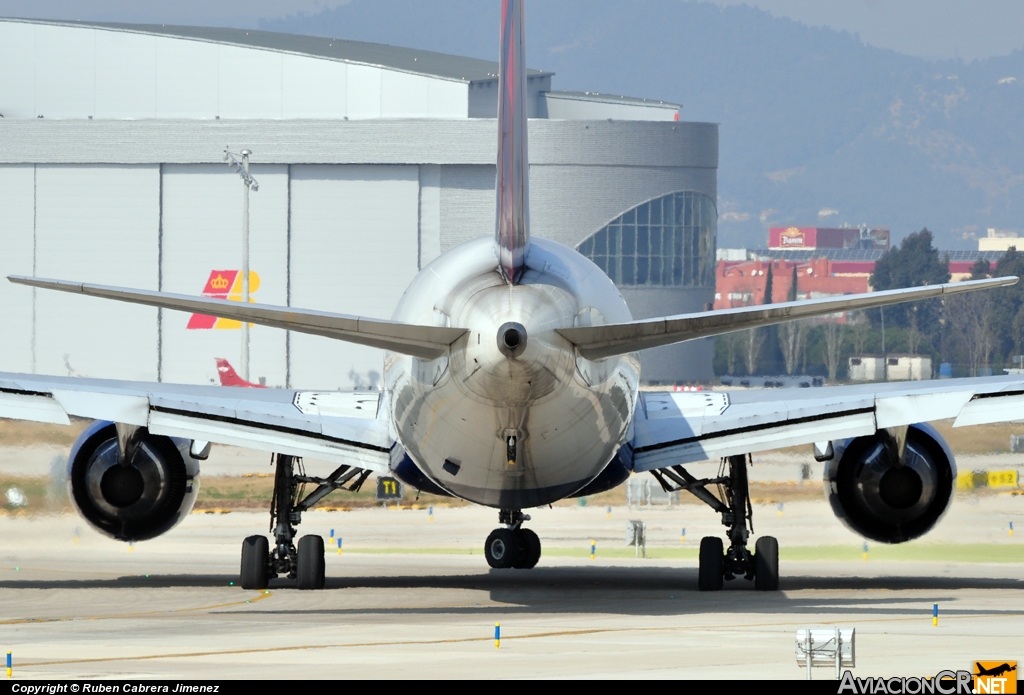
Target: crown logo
{"points": [[219, 282]]}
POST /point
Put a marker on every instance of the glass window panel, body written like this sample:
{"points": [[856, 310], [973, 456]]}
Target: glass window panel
{"points": [[655, 241], [655, 270], [600, 243], [677, 271], [587, 248], [614, 234], [643, 213], [655, 206], [628, 241], [613, 269], [601, 262], [629, 217], [628, 276], [642, 265], [643, 241]]}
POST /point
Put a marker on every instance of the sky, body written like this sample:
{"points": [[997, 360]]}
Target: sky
{"points": [[932, 29]]}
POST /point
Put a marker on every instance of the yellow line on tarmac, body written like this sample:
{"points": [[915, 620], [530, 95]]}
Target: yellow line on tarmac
{"points": [[301, 647], [26, 621], [487, 639]]}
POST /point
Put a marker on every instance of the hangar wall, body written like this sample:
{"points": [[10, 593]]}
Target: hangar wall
{"points": [[346, 236], [372, 160]]}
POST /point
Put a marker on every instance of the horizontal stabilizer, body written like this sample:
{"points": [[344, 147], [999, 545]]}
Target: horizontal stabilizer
{"points": [[598, 342], [428, 342]]}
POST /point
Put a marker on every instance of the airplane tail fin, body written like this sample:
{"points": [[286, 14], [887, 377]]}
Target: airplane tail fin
{"points": [[512, 229], [228, 376]]}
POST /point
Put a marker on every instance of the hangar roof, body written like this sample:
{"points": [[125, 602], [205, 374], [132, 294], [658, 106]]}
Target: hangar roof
{"points": [[394, 57]]}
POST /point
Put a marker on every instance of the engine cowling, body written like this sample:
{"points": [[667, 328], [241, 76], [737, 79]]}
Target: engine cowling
{"points": [[140, 500], [885, 497]]}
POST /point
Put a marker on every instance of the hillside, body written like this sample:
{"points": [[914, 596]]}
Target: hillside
{"points": [[811, 118]]}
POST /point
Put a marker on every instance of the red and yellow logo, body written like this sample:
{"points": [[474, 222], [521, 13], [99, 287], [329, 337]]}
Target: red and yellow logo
{"points": [[995, 677], [792, 237], [223, 284]]}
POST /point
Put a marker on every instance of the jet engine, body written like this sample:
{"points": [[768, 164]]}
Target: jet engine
{"points": [[129, 484], [892, 486]]}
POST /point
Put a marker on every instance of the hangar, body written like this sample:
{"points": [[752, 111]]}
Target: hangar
{"points": [[371, 160]]}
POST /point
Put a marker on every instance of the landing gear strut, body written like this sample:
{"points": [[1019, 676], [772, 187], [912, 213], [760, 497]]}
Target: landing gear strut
{"points": [[513, 546], [733, 503], [305, 564]]}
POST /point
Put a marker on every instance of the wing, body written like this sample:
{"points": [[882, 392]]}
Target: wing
{"points": [[428, 342], [673, 428], [598, 342], [342, 427]]}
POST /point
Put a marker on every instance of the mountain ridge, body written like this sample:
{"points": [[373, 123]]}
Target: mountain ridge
{"points": [[811, 119]]}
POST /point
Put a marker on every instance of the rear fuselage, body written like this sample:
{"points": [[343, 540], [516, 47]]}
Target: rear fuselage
{"points": [[511, 417]]}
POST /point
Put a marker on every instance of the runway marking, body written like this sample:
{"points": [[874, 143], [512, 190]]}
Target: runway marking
{"points": [[463, 640], [33, 621]]}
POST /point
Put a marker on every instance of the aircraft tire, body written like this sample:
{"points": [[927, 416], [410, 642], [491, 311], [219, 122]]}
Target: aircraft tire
{"points": [[502, 548], [711, 571], [766, 564], [255, 562], [310, 563], [529, 549]]}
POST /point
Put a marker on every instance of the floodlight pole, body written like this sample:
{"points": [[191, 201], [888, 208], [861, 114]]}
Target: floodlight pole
{"points": [[245, 267], [242, 167]]}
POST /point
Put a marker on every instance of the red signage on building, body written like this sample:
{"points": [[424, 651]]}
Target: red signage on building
{"points": [[780, 238]]}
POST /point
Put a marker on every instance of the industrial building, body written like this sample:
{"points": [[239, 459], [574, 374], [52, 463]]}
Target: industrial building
{"points": [[371, 160]]}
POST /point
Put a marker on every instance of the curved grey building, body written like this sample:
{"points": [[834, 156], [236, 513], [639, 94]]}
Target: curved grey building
{"points": [[371, 160]]}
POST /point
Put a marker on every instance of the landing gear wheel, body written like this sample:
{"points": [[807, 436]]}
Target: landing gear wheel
{"points": [[529, 549], [711, 572], [255, 562], [310, 570], [766, 559], [502, 548]]}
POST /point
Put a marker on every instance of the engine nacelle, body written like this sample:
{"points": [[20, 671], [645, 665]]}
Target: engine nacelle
{"points": [[149, 495], [884, 498]]}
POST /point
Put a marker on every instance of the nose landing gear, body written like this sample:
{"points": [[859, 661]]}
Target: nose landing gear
{"points": [[513, 546], [715, 566]]}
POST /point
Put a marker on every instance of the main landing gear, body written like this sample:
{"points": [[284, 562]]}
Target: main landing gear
{"points": [[305, 564], [512, 546], [733, 503]]}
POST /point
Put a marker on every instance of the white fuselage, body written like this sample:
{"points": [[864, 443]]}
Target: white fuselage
{"points": [[511, 427]]}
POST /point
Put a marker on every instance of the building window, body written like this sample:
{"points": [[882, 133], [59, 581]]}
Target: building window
{"points": [[665, 242]]}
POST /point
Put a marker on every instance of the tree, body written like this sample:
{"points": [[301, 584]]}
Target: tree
{"points": [[981, 269], [754, 340], [768, 353], [792, 334], [968, 315], [915, 262], [833, 347], [1005, 305]]}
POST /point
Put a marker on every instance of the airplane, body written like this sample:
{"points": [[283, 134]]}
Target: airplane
{"points": [[229, 377], [512, 380], [995, 670]]}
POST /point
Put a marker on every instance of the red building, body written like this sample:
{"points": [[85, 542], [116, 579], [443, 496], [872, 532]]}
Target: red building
{"points": [[742, 283]]}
